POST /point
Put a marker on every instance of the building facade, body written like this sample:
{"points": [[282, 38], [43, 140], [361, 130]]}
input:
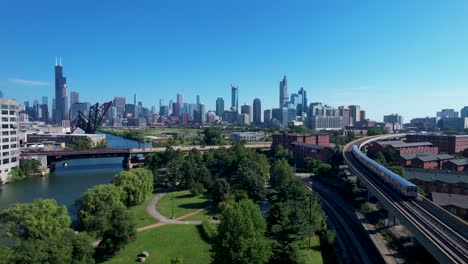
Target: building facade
{"points": [[283, 92], [61, 97], [257, 111], [450, 144], [219, 106], [235, 98], [9, 134]]}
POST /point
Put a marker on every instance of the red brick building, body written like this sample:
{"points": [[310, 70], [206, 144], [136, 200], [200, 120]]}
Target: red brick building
{"points": [[403, 148], [456, 165], [430, 162], [456, 204], [450, 144], [285, 139], [303, 150], [439, 181]]}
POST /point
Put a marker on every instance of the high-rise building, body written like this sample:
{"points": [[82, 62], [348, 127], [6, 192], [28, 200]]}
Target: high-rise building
{"points": [[464, 112], [354, 114], [283, 92], [119, 103], [74, 98], [61, 98], [257, 111], [10, 137], [393, 119], [246, 109], [235, 98], [447, 113], [243, 119], [180, 99], [44, 113], [45, 100], [79, 107], [362, 115], [198, 100], [302, 107], [267, 116], [1, 94], [219, 106], [344, 113]]}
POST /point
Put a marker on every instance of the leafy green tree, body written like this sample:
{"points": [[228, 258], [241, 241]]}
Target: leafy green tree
{"points": [[280, 173], [81, 143], [373, 131], [41, 219], [136, 184], [197, 189], [95, 206], [249, 178], [212, 136], [204, 177], [324, 169], [397, 169], [121, 231], [241, 236], [220, 188], [38, 251], [312, 164], [188, 174], [282, 153], [391, 156]]}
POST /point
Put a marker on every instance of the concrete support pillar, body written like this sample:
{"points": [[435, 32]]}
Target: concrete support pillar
{"points": [[51, 163], [392, 220], [127, 162]]}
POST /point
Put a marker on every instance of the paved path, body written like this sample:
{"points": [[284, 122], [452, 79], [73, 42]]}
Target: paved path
{"points": [[151, 210]]}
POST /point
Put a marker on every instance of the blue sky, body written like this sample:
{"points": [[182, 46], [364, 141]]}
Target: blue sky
{"points": [[406, 57]]}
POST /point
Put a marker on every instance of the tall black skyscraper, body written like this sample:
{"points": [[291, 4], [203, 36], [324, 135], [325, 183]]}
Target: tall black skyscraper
{"points": [[257, 111], [61, 98], [302, 106], [283, 92], [235, 98]]}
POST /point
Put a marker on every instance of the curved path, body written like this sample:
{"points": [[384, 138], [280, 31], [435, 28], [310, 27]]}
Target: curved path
{"points": [[151, 210]]}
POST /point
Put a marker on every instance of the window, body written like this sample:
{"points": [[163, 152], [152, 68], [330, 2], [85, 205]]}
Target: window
{"points": [[12, 107], [12, 112], [12, 133], [12, 119], [13, 159], [4, 119], [6, 153], [13, 146], [4, 112], [4, 106], [6, 161], [5, 140], [5, 133], [5, 147]]}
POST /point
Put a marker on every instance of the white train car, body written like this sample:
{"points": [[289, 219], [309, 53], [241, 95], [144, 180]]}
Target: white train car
{"points": [[395, 181]]}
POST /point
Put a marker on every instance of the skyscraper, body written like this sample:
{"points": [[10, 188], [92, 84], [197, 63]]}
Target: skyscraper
{"points": [[302, 105], [235, 98], [283, 94], [74, 98], [257, 111], [119, 103], [354, 114], [246, 109], [198, 100], [464, 112], [45, 100], [219, 106], [447, 113], [10, 140], [180, 99], [61, 98]]}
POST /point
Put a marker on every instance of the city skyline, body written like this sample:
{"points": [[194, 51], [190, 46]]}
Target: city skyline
{"points": [[341, 53]]}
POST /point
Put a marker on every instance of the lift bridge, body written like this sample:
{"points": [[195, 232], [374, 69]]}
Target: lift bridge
{"points": [[89, 124]]}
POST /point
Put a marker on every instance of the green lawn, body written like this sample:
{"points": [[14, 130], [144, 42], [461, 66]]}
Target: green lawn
{"points": [[184, 203], [167, 242], [314, 255], [141, 217]]}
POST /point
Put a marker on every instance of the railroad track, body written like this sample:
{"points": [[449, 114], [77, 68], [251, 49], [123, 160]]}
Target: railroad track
{"points": [[356, 245], [441, 235]]}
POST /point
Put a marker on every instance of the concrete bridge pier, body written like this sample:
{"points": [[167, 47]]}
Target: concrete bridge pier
{"points": [[51, 164], [392, 220], [127, 162]]}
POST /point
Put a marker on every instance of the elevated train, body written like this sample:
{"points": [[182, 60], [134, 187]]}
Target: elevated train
{"points": [[396, 182]]}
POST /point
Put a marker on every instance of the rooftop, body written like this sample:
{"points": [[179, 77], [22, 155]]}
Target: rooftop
{"points": [[426, 158], [300, 134], [307, 145], [436, 135], [459, 162], [436, 175], [443, 199], [402, 144]]}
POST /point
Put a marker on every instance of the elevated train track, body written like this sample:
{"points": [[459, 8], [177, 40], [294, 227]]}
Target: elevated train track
{"points": [[445, 238]]}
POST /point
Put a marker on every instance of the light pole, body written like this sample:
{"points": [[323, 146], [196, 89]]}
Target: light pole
{"points": [[172, 200]]}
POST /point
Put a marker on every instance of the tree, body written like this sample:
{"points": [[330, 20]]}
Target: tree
{"points": [[212, 136], [373, 131], [204, 177], [324, 169], [197, 189], [241, 236], [220, 188], [397, 169], [249, 178], [391, 156], [121, 231], [81, 143], [282, 153], [41, 219], [280, 173], [188, 174], [312, 164], [95, 206], [136, 184]]}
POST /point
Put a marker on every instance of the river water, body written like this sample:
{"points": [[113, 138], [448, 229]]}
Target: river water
{"points": [[66, 184]]}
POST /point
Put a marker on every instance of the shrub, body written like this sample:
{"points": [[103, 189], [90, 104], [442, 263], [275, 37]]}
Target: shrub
{"points": [[197, 189], [208, 231]]}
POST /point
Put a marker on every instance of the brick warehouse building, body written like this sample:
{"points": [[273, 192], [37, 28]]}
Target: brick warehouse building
{"points": [[403, 148], [316, 146], [450, 144], [285, 139], [439, 181]]}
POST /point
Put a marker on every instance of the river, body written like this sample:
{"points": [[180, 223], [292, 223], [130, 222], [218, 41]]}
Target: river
{"points": [[66, 184]]}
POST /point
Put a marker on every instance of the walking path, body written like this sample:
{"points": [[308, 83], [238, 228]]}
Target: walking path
{"points": [[151, 210]]}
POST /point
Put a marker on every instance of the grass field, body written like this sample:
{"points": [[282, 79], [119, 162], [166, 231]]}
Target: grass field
{"points": [[142, 218], [167, 242], [184, 203], [314, 255]]}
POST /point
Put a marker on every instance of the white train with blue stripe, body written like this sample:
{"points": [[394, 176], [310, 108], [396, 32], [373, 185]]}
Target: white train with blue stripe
{"points": [[395, 181]]}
